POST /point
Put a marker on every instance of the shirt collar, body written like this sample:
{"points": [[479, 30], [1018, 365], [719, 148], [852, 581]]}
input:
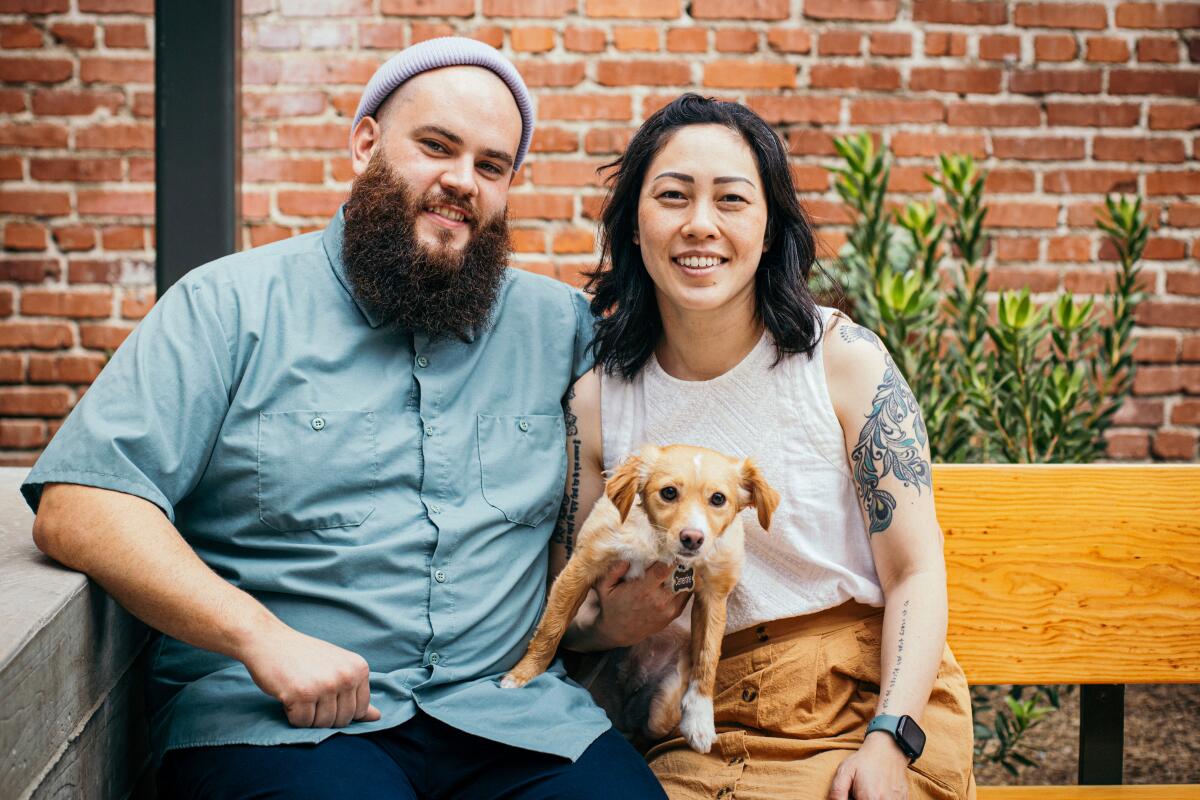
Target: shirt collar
{"points": [[332, 239]]}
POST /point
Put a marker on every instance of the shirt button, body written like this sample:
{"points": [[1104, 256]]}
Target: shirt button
{"points": [[429, 430], [422, 361], [434, 658], [318, 423], [523, 425], [439, 576], [435, 509], [749, 695]]}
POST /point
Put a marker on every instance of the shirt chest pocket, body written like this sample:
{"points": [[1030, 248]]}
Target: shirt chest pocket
{"points": [[316, 469], [522, 462]]}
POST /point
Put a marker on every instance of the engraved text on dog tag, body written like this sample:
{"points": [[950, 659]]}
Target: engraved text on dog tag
{"points": [[684, 578]]}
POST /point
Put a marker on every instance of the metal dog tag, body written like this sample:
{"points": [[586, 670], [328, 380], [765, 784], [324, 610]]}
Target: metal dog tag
{"points": [[684, 578]]}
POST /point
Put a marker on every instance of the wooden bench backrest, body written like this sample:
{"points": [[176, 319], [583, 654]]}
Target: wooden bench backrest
{"points": [[1073, 574]]}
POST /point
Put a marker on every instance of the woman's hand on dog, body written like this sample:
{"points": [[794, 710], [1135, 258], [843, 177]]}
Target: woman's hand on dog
{"points": [[631, 610]]}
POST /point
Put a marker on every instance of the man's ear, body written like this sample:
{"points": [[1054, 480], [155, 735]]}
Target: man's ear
{"points": [[366, 137], [624, 484], [755, 491]]}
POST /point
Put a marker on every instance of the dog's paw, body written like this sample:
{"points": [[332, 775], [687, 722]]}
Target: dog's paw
{"points": [[513, 681], [696, 722]]}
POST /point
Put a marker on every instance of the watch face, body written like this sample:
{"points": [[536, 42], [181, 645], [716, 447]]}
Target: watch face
{"points": [[909, 733]]}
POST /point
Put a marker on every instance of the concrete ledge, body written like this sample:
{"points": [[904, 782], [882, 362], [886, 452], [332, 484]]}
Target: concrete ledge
{"points": [[71, 719]]}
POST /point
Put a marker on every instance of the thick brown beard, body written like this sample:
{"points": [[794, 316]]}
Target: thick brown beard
{"points": [[405, 283]]}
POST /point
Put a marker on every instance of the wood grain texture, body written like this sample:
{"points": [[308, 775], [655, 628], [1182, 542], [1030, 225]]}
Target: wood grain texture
{"points": [[1155, 792], [1073, 574]]}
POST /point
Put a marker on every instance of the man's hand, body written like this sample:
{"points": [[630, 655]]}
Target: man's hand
{"points": [[320, 685], [876, 772], [632, 610]]}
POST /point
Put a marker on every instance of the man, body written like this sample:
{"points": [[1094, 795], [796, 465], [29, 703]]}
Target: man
{"points": [[327, 471]]}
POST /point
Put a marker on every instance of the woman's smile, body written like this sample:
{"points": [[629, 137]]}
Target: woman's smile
{"points": [[699, 265]]}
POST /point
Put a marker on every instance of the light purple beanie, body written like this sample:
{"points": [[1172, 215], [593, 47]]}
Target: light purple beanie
{"points": [[447, 51]]}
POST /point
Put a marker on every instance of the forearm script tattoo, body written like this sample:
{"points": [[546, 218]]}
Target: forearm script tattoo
{"points": [[887, 694], [886, 444], [564, 529]]}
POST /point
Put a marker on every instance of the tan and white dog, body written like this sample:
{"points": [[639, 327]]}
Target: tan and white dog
{"points": [[675, 505]]}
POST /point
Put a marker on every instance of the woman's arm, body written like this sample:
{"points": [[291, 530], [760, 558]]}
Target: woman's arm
{"points": [[585, 478], [888, 451], [616, 613]]}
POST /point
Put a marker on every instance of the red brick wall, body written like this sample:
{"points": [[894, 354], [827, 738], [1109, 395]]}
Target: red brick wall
{"points": [[1063, 101]]}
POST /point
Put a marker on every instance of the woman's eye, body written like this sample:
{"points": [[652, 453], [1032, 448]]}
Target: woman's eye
{"points": [[733, 198], [671, 194], [717, 499], [668, 493]]}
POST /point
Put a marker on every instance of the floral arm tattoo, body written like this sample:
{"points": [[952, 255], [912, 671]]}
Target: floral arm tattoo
{"points": [[886, 444], [564, 529]]}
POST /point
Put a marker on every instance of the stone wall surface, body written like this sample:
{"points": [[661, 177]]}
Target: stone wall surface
{"points": [[71, 712], [1062, 101]]}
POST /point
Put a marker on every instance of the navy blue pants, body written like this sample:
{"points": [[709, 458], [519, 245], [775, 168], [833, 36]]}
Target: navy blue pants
{"points": [[422, 758]]}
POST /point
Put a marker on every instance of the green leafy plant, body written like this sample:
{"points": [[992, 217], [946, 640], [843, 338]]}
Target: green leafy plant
{"points": [[1037, 383], [1003, 741]]}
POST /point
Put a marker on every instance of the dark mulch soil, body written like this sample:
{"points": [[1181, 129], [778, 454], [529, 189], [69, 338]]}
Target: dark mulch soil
{"points": [[1162, 739]]}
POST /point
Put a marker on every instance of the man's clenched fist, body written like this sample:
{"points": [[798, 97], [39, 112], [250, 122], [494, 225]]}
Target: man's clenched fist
{"points": [[320, 685]]}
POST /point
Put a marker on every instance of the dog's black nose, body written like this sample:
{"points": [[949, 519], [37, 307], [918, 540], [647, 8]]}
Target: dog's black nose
{"points": [[691, 538]]}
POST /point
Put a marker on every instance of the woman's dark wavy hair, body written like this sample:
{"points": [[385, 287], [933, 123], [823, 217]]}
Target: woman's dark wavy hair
{"points": [[629, 326]]}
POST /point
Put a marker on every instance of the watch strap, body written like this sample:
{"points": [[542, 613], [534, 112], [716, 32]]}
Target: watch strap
{"points": [[884, 722]]}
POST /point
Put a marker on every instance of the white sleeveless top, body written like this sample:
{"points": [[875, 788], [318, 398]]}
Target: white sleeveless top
{"points": [[817, 554]]}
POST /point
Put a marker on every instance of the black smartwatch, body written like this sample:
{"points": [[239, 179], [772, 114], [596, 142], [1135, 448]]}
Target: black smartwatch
{"points": [[904, 730]]}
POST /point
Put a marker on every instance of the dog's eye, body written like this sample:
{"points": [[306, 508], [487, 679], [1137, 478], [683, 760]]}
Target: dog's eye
{"points": [[717, 499], [668, 493]]}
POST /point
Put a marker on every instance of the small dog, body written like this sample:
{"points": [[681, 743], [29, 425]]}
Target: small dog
{"points": [[687, 515]]}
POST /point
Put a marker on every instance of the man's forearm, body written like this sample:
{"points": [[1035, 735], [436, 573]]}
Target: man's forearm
{"points": [[129, 547], [914, 637]]}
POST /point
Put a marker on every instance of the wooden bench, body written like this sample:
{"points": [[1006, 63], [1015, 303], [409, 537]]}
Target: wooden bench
{"points": [[1076, 575]]}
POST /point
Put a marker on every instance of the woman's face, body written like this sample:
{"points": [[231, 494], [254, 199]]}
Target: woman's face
{"points": [[702, 220]]}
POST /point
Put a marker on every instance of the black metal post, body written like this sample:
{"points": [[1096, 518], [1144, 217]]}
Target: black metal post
{"points": [[1101, 734], [197, 135]]}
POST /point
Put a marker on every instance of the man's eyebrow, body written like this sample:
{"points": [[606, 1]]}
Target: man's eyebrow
{"points": [[454, 138], [679, 176], [500, 155], [440, 131]]}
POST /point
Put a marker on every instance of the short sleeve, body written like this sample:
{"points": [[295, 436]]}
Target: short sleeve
{"points": [[585, 332], [148, 423]]}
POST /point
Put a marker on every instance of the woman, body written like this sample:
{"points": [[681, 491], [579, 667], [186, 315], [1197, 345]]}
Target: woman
{"points": [[712, 338]]}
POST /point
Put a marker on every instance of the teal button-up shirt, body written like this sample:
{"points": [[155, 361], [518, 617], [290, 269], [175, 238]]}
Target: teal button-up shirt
{"points": [[387, 492]]}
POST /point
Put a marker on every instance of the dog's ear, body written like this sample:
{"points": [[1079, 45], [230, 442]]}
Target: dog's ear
{"points": [[624, 484], [758, 493]]}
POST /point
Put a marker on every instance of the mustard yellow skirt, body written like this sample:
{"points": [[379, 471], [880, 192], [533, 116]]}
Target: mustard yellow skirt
{"points": [[793, 699]]}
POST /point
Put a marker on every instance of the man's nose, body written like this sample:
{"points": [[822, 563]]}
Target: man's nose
{"points": [[459, 179], [691, 538]]}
